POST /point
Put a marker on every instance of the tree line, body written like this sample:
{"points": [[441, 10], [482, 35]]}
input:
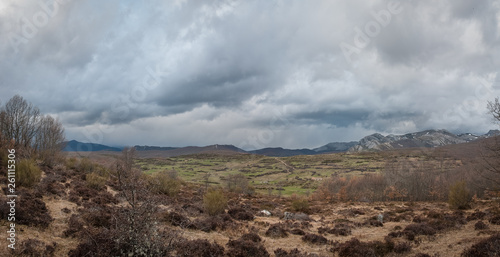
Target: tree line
{"points": [[33, 134]]}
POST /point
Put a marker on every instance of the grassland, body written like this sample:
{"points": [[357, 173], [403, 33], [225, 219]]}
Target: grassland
{"points": [[294, 175]]}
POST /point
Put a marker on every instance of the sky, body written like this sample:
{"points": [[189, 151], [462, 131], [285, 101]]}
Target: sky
{"points": [[252, 73]]}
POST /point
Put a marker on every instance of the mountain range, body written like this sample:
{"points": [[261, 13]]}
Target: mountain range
{"points": [[374, 142]]}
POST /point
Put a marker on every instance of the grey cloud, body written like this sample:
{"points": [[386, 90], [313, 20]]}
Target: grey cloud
{"points": [[235, 64]]}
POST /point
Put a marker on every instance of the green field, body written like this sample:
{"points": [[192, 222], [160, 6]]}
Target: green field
{"points": [[297, 174]]}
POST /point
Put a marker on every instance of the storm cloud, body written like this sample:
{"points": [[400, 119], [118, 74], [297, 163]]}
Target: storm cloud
{"points": [[252, 73]]}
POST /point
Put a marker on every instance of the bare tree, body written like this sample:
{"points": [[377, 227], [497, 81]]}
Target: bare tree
{"points": [[138, 226], [488, 170], [20, 122], [49, 139], [494, 108]]}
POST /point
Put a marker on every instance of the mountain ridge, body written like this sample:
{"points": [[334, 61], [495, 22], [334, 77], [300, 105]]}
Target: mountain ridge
{"points": [[374, 142]]}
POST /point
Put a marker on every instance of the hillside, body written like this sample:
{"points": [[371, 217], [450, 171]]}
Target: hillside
{"points": [[425, 139], [75, 146]]}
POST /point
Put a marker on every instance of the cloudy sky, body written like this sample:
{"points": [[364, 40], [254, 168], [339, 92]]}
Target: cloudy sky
{"points": [[253, 73]]}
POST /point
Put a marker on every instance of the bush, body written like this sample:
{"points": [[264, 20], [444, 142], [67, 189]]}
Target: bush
{"points": [[240, 214], [477, 215], [27, 173], [293, 253], [297, 231], [244, 248], [251, 237], [459, 196], [480, 225], [95, 181], [178, 220], [300, 204], [314, 239], [402, 247], [35, 247], [355, 248], [486, 247], [166, 183], [419, 229], [75, 225], [213, 223], [72, 163], [214, 202], [32, 211], [199, 247], [495, 220], [276, 231], [86, 166], [341, 229]]}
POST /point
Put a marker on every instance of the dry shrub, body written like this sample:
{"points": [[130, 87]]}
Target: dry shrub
{"points": [[103, 198], [191, 209], [300, 204], [276, 231], [298, 231], [477, 215], [72, 163], [212, 223], [459, 196], [75, 225], [448, 221], [95, 181], [112, 242], [98, 216], [480, 225], [199, 247], [166, 183], [341, 229], [35, 248], [214, 202], [251, 237], [85, 166], [495, 220], [426, 255], [486, 247], [420, 229], [28, 173], [402, 247], [32, 210], [240, 214], [83, 191], [293, 253], [178, 220], [244, 248], [314, 239], [356, 248]]}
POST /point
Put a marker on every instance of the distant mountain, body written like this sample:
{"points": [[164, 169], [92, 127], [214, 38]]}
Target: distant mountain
{"points": [[75, 146], [427, 138], [335, 147], [374, 142], [280, 152], [153, 148]]}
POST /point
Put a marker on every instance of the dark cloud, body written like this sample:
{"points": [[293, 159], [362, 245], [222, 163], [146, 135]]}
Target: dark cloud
{"points": [[261, 73]]}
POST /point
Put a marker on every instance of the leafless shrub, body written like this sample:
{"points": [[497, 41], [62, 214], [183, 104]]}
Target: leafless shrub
{"points": [[199, 247], [243, 248], [480, 225], [240, 214], [314, 239], [293, 253], [35, 248], [486, 247], [277, 231]]}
